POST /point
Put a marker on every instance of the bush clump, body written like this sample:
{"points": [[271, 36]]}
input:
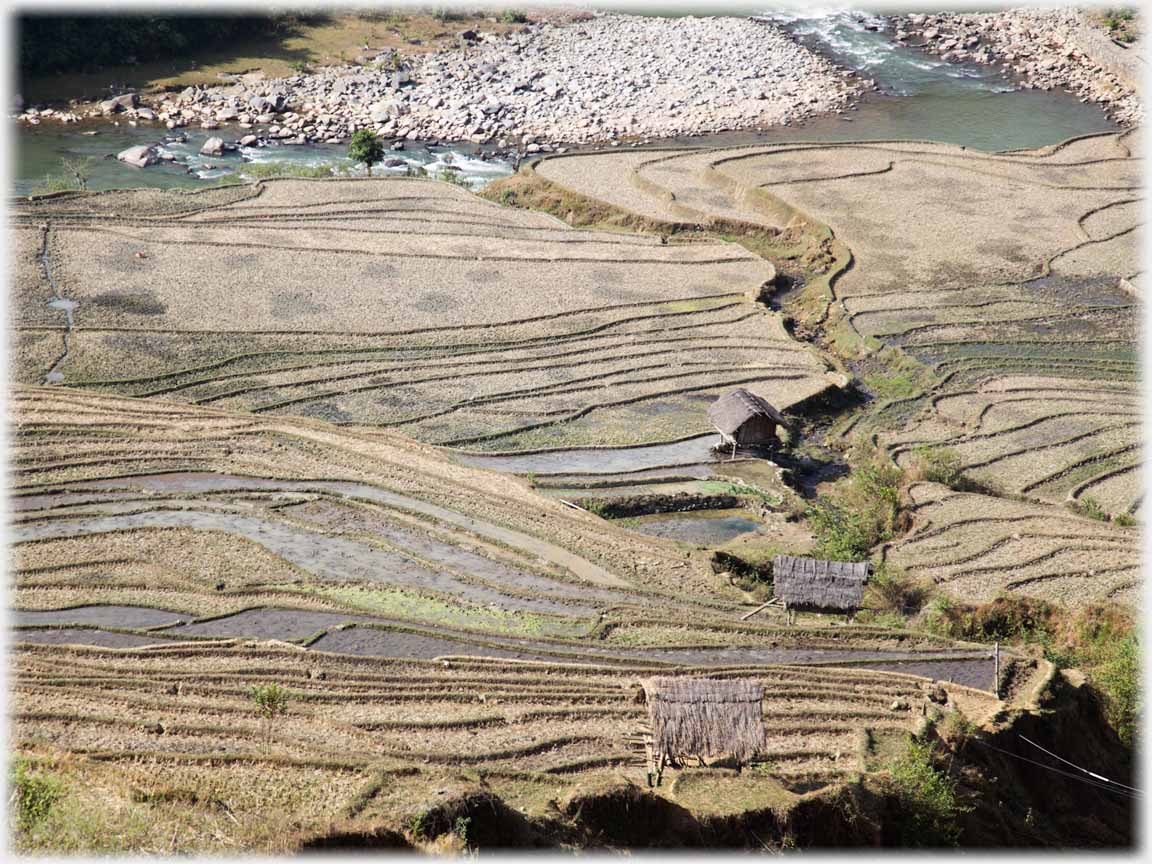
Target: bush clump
{"points": [[865, 512], [891, 590], [33, 794], [930, 809], [1088, 506]]}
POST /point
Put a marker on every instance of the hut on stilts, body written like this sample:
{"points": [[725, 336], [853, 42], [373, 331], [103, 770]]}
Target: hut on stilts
{"points": [[695, 718], [812, 585], [745, 420]]}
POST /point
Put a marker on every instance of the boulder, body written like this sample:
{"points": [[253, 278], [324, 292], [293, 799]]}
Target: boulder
{"points": [[119, 103], [248, 141], [141, 156], [212, 147]]}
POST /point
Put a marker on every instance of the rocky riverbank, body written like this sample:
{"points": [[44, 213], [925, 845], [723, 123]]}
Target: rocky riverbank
{"points": [[1049, 48], [601, 80]]}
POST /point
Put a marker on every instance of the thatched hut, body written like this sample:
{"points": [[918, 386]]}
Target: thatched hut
{"points": [[811, 585], [743, 419], [704, 717]]}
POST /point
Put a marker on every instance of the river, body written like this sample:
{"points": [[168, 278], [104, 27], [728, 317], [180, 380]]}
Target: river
{"points": [[920, 97]]}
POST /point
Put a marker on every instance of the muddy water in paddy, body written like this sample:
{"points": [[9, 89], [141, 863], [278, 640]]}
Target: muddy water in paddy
{"points": [[327, 557], [962, 666], [83, 636], [599, 460], [286, 624], [135, 617], [704, 529], [190, 483], [331, 516]]}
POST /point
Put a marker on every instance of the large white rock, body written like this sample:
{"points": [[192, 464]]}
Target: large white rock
{"points": [[141, 156], [212, 147]]}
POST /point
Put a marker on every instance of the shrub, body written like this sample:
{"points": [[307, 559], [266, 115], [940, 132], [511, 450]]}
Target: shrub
{"points": [[893, 590], [78, 168], [263, 170], [1099, 640], [597, 508], [33, 794], [938, 465], [1127, 520], [513, 16], [461, 828], [54, 183], [1088, 506], [1117, 678], [272, 702], [928, 802], [866, 511], [453, 177], [300, 67], [367, 147]]}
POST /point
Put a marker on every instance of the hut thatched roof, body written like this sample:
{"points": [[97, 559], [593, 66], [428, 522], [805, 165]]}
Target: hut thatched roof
{"points": [[734, 409], [808, 582], [706, 716]]}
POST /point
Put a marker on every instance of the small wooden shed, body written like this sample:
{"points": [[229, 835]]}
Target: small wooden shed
{"points": [[703, 717], [812, 585], [744, 419]]}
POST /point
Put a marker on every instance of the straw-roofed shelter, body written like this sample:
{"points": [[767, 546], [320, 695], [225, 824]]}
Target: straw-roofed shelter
{"points": [[705, 717], [811, 585], [744, 419]]}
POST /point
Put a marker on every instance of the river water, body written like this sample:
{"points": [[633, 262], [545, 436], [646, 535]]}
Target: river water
{"points": [[920, 97]]}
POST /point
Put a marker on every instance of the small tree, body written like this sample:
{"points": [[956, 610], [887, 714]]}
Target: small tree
{"points": [[272, 702], [366, 147], [79, 169]]}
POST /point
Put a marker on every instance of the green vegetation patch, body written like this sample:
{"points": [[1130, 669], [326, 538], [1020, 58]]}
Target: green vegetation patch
{"points": [[427, 610], [930, 809]]}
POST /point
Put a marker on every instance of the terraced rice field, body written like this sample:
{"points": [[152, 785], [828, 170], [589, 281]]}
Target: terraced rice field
{"points": [[191, 518], [428, 619], [401, 303], [377, 740], [1016, 283], [976, 546]]}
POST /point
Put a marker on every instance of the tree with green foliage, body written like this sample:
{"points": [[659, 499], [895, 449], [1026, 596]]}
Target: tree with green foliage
{"points": [[272, 702], [366, 147]]}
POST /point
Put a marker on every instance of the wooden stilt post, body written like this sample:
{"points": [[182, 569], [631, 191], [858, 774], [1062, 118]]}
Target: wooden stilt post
{"points": [[996, 682]]}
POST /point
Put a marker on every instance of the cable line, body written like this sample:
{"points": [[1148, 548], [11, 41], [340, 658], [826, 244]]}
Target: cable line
{"points": [[1068, 774], [1078, 768]]}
